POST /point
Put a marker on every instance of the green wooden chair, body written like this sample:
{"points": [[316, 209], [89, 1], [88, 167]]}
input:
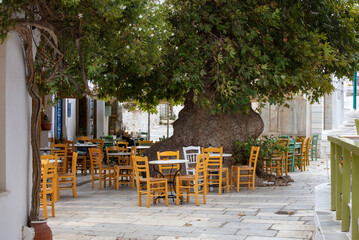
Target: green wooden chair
{"points": [[283, 137], [313, 148], [291, 154]]}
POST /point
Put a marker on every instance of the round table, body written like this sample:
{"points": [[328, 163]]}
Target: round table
{"points": [[172, 180]]}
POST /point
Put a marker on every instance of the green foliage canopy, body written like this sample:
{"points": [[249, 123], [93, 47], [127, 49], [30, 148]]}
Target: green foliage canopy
{"points": [[240, 51], [228, 52]]}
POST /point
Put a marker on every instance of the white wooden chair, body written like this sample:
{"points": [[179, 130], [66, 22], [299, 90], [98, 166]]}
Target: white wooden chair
{"points": [[190, 153]]}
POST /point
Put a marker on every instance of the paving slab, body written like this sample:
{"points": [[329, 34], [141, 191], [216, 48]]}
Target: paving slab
{"points": [[110, 214]]}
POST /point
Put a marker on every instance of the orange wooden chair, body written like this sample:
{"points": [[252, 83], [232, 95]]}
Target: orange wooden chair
{"points": [[61, 151], [309, 144], [98, 169], [68, 180], [122, 144], [70, 151], [48, 186], [83, 139], [55, 179], [194, 184], [124, 171], [146, 185], [217, 174], [300, 158], [250, 169]]}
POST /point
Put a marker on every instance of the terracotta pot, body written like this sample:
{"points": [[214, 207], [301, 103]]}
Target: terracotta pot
{"points": [[46, 126], [42, 230]]}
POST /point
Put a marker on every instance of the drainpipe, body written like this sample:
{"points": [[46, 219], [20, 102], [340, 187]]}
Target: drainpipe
{"points": [[355, 91], [149, 126]]}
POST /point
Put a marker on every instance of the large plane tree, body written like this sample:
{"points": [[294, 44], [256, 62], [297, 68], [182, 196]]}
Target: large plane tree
{"points": [[214, 55], [224, 54]]}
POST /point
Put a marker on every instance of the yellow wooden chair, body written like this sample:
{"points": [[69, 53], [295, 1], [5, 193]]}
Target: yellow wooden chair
{"points": [[300, 158], [122, 144], [68, 180], [194, 184], [113, 149], [70, 151], [83, 139], [250, 168], [55, 179], [47, 188], [124, 172], [146, 185], [166, 169], [309, 143], [217, 174], [98, 169], [61, 151]]}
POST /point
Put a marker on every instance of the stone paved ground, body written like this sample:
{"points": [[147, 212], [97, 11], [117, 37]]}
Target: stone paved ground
{"points": [[110, 214]]}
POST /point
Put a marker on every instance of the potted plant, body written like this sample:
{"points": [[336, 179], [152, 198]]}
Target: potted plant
{"points": [[46, 123]]}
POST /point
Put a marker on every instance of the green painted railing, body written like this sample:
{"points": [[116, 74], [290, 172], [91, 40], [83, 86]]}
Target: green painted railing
{"points": [[345, 181]]}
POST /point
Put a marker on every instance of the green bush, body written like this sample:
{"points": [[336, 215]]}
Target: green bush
{"points": [[268, 146]]}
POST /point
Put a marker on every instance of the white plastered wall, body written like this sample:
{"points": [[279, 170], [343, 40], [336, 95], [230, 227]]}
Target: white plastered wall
{"points": [[70, 121], [101, 119], [14, 141]]}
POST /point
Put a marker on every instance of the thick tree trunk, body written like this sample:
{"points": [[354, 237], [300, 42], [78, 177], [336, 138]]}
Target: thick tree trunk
{"points": [[26, 36], [197, 127]]}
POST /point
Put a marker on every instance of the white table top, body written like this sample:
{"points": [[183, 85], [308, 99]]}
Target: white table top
{"points": [[223, 155], [119, 154], [46, 149], [85, 145], [172, 161], [140, 147]]}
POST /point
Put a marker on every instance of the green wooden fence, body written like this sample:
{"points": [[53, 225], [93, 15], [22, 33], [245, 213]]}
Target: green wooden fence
{"points": [[344, 155]]}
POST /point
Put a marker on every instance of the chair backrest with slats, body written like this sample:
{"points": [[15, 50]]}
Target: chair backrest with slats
{"points": [[70, 146], [61, 151], [83, 139], [122, 144], [167, 155], [98, 142], [48, 172], [141, 169], [283, 136], [303, 149], [201, 167], [133, 154], [95, 158], [215, 158], [190, 153], [315, 140], [113, 149], [254, 156], [309, 143], [74, 162]]}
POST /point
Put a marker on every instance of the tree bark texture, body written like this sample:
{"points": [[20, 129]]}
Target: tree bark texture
{"points": [[197, 127], [25, 34]]}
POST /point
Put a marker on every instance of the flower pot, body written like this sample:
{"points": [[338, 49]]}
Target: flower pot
{"points": [[46, 126], [42, 230]]}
